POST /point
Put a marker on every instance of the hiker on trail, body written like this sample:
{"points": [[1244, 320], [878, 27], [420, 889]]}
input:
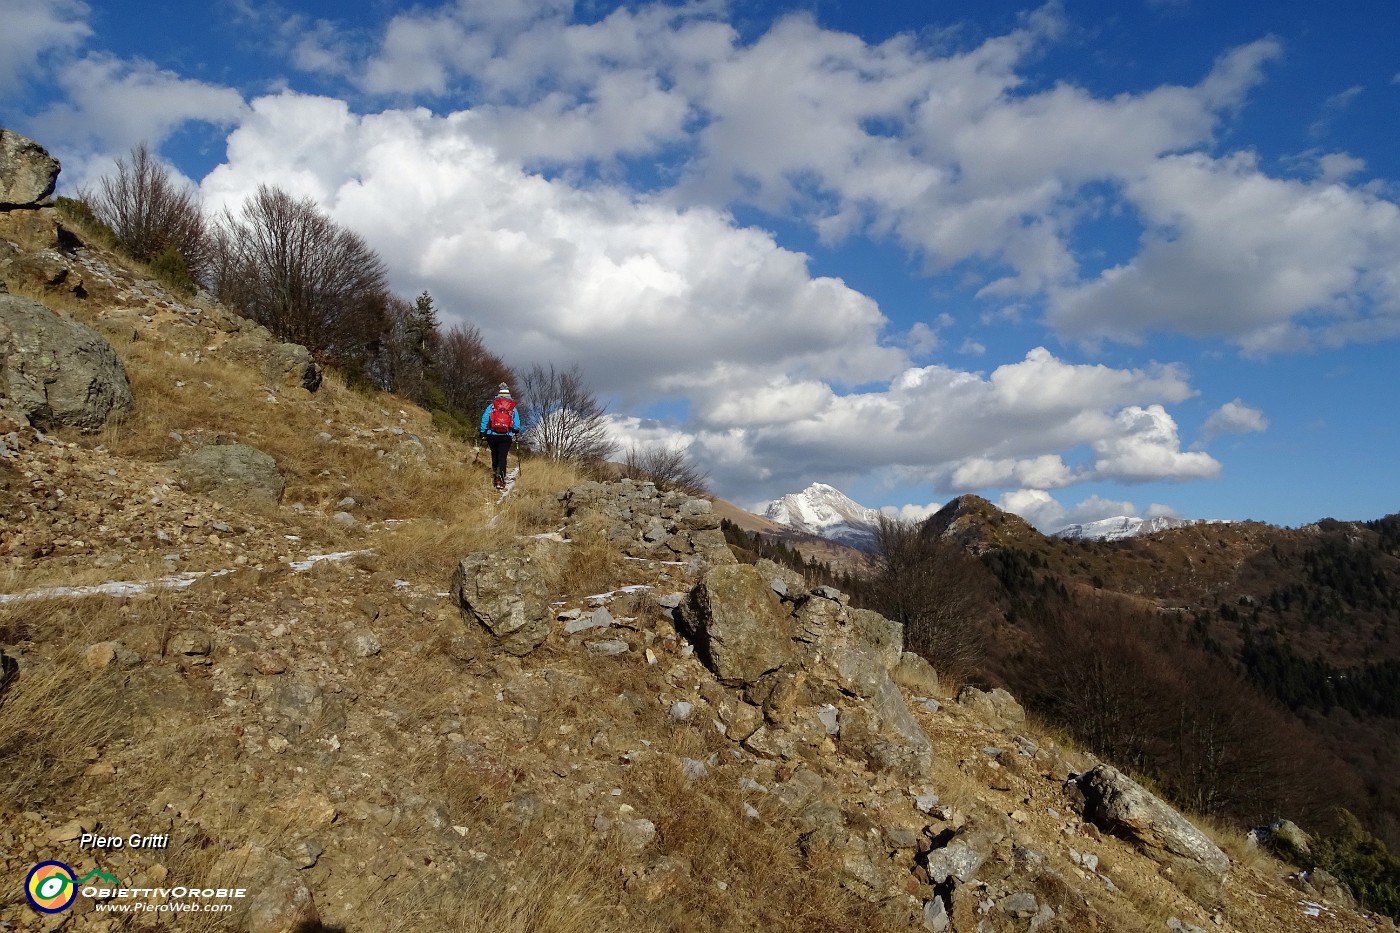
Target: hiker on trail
{"points": [[499, 423]]}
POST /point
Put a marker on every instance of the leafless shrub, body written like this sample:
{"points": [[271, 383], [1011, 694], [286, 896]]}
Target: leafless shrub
{"points": [[469, 372], [562, 417], [668, 467], [156, 219], [932, 588]]}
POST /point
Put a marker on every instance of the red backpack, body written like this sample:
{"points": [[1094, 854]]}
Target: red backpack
{"points": [[501, 420]]}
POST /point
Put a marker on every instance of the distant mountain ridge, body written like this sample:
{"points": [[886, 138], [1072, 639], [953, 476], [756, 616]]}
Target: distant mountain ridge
{"points": [[824, 511], [827, 512], [1128, 526]]}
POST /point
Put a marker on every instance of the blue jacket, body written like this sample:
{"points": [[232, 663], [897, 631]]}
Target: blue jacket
{"points": [[486, 419]]}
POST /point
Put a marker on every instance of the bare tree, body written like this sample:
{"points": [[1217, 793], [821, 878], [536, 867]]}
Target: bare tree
{"points": [[562, 417], [1097, 673], [470, 373], [310, 281], [667, 467], [935, 590], [155, 218], [396, 366]]}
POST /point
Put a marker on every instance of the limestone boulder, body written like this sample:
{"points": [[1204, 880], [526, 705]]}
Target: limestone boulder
{"points": [[278, 898], [507, 593], [916, 675], [55, 371], [46, 272], [293, 364], [883, 638], [995, 707], [1116, 803], [231, 473], [27, 232], [283, 364], [28, 173], [1289, 841], [786, 582], [962, 858], [883, 733], [408, 454]]}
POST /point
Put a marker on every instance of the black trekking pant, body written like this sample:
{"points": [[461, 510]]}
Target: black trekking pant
{"points": [[500, 453]]}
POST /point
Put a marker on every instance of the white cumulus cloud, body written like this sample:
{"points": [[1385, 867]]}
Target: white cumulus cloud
{"points": [[1146, 447], [1272, 264], [33, 29], [650, 299], [497, 167], [112, 104], [1234, 417], [911, 512]]}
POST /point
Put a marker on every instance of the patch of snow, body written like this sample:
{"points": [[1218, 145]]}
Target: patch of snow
{"points": [[127, 588], [315, 559]]}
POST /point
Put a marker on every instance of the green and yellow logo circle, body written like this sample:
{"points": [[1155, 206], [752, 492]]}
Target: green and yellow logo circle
{"points": [[51, 887]]}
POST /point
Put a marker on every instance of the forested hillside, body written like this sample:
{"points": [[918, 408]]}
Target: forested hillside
{"points": [[1252, 672]]}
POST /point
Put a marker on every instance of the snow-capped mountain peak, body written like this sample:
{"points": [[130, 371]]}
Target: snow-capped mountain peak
{"points": [[825, 511]]}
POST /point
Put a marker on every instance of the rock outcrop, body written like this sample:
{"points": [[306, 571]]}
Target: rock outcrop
{"points": [[57, 372], [996, 707], [976, 524], [816, 667], [742, 631], [642, 521], [283, 364], [278, 899], [28, 173]]}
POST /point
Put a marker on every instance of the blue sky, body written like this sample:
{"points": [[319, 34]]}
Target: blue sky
{"points": [[1082, 258]]}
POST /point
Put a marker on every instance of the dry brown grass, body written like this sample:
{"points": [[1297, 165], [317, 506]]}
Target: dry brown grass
{"points": [[57, 708], [33, 575], [533, 505], [205, 398], [439, 509], [1144, 903], [745, 873], [593, 564], [187, 394], [559, 885], [430, 548], [1052, 737], [1234, 842]]}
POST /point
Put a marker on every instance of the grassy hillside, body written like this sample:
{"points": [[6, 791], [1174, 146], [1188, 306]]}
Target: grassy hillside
{"points": [[296, 702]]}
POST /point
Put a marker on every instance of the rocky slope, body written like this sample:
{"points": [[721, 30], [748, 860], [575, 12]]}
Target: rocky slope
{"points": [[377, 698]]}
